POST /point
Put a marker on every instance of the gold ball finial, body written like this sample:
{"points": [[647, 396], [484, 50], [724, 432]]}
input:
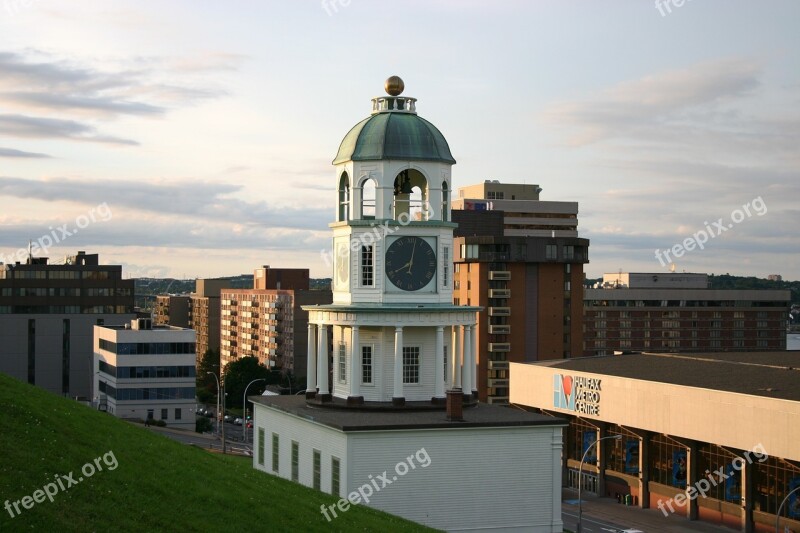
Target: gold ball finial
{"points": [[394, 86]]}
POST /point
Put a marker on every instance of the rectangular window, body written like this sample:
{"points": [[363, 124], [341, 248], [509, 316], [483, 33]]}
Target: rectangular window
{"points": [[261, 446], [276, 452], [445, 266], [164, 414], [342, 362], [410, 364], [366, 364], [295, 461], [177, 414], [317, 470], [569, 253], [367, 266], [335, 476], [550, 251]]}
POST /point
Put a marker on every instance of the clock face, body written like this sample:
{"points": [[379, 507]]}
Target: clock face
{"points": [[410, 263]]}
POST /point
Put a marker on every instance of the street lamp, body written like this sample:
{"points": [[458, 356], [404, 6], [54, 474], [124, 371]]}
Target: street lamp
{"points": [[778, 514], [244, 407], [217, 380], [580, 476]]}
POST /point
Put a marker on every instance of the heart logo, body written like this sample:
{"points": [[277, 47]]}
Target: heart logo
{"points": [[566, 385]]}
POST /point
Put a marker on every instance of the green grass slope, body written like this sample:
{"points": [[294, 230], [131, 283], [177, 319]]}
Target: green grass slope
{"points": [[158, 485]]}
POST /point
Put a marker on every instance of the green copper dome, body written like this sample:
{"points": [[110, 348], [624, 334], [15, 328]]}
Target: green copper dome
{"points": [[403, 136]]}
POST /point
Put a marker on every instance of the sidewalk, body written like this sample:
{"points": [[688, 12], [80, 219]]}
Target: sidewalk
{"points": [[647, 520]]}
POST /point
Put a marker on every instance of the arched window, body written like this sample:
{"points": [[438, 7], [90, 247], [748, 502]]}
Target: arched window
{"points": [[411, 195], [344, 197], [445, 202], [368, 198]]}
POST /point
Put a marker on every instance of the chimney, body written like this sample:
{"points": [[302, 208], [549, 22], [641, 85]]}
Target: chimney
{"points": [[455, 401]]}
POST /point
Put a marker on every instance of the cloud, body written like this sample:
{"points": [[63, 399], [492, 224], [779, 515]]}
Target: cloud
{"points": [[53, 128], [11, 152]]}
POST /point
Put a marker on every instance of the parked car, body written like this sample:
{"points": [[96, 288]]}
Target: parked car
{"points": [[229, 418], [237, 422]]}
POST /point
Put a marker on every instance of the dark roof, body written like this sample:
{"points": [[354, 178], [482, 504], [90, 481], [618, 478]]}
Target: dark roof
{"points": [[768, 374], [482, 415], [403, 136]]}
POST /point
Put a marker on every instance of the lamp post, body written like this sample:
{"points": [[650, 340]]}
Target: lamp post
{"points": [[217, 414], [780, 507], [244, 406], [580, 476]]}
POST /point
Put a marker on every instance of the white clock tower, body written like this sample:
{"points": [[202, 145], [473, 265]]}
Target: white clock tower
{"points": [[397, 337]]}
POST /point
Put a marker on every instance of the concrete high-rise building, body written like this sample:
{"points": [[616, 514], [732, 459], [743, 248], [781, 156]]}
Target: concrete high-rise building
{"points": [[677, 312], [173, 310], [146, 372], [205, 313], [268, 321], [520, 258], [47, 312]]}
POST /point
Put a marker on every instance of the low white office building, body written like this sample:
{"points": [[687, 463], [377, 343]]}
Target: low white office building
{"points": [[142, 371]]}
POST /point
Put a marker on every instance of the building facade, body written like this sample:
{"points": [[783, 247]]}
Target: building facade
{"points": [[676, 312], [47, 312], [268, 321], [146, 372], [521, 260], [205, 314], [708, 436], [172, 310]]}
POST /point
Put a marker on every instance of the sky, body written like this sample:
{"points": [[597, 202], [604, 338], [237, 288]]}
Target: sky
{"points": [[195, 138]]}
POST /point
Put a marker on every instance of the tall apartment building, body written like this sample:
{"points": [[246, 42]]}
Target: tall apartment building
{"points": [[205, 313], [47, 312], [172, 310], [520, 258], [146, 372], [268, 321], [677, 312]]}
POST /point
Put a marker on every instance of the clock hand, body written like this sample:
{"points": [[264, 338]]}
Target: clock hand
{"points": [[399, 269], [411, 261]]}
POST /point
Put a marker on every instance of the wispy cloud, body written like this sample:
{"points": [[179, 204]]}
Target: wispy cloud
{"points": [[54, 128], [11, 152]]}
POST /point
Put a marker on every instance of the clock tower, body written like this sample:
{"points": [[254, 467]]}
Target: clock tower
{"points": [[396, 335]]}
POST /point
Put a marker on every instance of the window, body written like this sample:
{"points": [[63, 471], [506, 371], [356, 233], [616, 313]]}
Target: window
{"points": [[569, 253], [342, 362], [410, 364], [295, 461], [550, 251], [446, 266], [335, 476], [164, 414], [261, 446], [367, 266], [366, 364], [275, 452], [444, 348], [317, 470], [494, 195]]}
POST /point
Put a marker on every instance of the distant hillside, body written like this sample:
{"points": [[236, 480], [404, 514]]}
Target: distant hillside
{"points": [[142, 481], [148, 288]]}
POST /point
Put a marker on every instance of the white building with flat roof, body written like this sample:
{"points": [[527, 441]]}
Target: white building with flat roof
{"points": [[142, 371]]}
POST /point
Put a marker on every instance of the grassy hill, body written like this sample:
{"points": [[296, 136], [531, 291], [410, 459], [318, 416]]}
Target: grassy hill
{"points": [[157, 484]]}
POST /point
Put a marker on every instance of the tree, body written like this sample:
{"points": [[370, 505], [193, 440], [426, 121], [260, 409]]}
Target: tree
{"points": [[202, 425], [241, 372], [206, 385]]}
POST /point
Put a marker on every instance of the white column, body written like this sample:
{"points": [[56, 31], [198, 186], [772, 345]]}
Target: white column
{"points": [[355, 363], [457, 357], [438, 389], [311, 362], [474, 366], [322, 360], [468, 365], [398, 363]]}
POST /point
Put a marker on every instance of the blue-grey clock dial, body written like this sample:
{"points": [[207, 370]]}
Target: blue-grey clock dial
{"points": [[410, 263]]}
